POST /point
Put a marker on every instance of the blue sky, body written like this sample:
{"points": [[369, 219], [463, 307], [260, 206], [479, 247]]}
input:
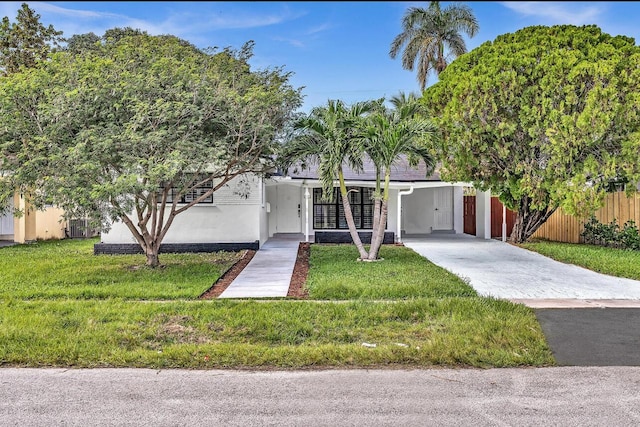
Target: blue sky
{"points": [[336, 50]]}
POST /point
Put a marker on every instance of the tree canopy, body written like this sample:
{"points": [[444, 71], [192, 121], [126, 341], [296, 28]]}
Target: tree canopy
{"points": [[26, 41], [544, 117], [432, 37], [125, 126]]}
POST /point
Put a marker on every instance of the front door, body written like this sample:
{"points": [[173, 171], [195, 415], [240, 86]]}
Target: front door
{"points": [[443, 208], [6, 220], [288, 209]]}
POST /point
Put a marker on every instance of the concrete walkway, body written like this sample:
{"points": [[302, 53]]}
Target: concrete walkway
{"points": [[506, 271], [268, 274]]}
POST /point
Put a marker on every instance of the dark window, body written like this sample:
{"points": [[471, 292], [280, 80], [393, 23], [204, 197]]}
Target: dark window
{"points": [[330, 215], [190, 196]]}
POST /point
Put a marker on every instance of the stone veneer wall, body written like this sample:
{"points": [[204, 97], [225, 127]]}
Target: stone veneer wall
{"points": [[345, 237], [133, 248]]}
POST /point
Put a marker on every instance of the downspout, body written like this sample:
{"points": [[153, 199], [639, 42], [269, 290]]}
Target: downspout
{"points": [[399, 217]]}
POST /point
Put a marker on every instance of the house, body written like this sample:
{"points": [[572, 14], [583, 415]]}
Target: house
{"points": [[250, 209], [33, 224]]}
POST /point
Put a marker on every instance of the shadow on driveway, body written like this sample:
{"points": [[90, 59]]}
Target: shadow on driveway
{"points": [[592, 336]]}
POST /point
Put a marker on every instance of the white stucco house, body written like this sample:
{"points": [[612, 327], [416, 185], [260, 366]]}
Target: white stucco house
{"points": [[250, 209]]}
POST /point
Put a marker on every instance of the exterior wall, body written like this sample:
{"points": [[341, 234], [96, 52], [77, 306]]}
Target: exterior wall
{"points": [[417, 211], [34, 224], [458, 209], [271, 196], [7, 223], [49, 224], [233, 217]]}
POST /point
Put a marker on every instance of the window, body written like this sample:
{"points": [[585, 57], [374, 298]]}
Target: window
{"points": [[190, 196], [330, 215]]}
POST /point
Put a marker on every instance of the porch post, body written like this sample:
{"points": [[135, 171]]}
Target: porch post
{"points": [[504, 223], [483, 214], [306, 214]]}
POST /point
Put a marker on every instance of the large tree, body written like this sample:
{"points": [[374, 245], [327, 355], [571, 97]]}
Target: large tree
{"points": [[432, 37], [543, 117], [125, 131], [26, 41]]}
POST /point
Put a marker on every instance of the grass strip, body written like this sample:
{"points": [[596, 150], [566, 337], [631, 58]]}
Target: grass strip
{"points": [[476, 332], [611, 261]]}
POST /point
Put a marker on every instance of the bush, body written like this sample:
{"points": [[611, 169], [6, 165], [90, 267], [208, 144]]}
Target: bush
{"points": [[611, 235]]}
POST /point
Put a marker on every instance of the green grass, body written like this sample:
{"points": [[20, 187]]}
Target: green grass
{"points": [[285, 334], [611, 261], [62, 306], [403, 274], [68, 269]]}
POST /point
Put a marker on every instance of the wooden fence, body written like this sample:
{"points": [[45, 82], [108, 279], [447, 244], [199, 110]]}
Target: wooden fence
{"points": [[565, 228]]}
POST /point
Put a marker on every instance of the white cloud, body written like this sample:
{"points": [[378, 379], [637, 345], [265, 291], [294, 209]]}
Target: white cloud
{"points": [[558, 12], [318, 29], [292, 42]]}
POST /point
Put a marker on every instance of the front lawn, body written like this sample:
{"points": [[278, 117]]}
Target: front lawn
{"points": [[68, 269], [611, 261], [62, 306], [335, 275]]}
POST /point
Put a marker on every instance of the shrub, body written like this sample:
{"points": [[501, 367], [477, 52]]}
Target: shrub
{"points": [[611, 234]]}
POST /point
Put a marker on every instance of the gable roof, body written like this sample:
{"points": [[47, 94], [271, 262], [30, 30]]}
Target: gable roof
{"points": [[401, 172]]}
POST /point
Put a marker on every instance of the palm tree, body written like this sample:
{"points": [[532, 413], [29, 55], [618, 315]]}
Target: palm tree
{"points": [[327, 137], [426, 33], [389, 135]]}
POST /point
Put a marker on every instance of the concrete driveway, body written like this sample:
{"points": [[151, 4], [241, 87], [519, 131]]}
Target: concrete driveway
{"points": [[505, 271]]}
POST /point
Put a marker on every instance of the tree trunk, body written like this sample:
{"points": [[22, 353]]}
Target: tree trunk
{"points": [[528, 221], [376, 221], [348, 215], [375, 249], [377, 236], [152, 259]]}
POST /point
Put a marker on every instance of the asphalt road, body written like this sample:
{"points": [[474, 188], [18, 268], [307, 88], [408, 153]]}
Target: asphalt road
{"points": [[592, 336], [568, 396]]}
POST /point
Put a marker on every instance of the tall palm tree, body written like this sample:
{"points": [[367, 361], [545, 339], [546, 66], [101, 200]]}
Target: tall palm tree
{"points": [[327, 137], [427, 33], [388, 136]]}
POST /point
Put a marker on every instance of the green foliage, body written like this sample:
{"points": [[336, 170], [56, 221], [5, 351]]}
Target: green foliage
{"points": [[606, 260], [121, 130], [543, 117], [611, 234], [25, 42], [429, 36]]}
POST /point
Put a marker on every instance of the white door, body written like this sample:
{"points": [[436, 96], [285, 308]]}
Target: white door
{"points": [[288, 209], [6, 220], [443, 208]]}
